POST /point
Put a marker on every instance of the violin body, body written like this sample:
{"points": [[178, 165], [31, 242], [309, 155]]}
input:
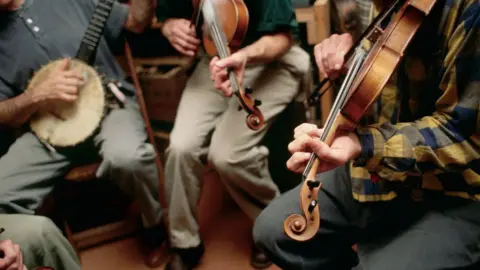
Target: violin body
{"points": [[233, 15], [388, 49]]}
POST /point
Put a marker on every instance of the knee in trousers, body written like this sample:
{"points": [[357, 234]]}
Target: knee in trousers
{"points": [[36, 230], [264, 232], [130, 160]]}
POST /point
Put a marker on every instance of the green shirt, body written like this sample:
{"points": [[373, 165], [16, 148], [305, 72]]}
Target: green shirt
{"points": [[266, 16]]}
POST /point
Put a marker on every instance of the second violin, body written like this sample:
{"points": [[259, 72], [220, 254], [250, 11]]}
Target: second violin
{"points": [[226, 24]]}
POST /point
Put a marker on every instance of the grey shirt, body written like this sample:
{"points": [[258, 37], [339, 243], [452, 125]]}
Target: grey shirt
{"points": [[46, 30]]}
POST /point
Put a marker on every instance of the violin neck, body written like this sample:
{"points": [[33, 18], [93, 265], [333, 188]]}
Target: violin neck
{"points": [[336, 120], [215, 29]]}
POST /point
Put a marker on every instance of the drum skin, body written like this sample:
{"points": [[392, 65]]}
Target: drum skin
{"points": [[66, 124]]}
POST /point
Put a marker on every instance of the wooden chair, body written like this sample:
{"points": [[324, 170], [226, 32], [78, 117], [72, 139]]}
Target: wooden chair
{"points": [[86, 173]]}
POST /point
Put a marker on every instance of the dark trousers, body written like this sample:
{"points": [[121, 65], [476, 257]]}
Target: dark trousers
{"points": [[437, 233]]}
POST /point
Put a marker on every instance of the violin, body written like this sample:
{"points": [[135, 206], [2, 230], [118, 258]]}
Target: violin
{"points": [[226, 24], [367, 75]]}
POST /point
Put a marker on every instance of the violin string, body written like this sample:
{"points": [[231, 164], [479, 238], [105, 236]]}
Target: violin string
{"points": [[374, 25], [219, 38], [339, 102]]}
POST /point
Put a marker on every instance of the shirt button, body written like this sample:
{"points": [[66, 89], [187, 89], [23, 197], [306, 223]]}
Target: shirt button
{"points": [[29, 21], [36, 29]]}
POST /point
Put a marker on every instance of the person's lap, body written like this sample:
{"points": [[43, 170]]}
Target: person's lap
{"points": [[41, 242], [441, 233], [28, 171]]}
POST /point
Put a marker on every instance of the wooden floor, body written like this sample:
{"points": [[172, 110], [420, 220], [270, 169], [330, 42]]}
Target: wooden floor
{"points": [[227, 247], [224, 228]]}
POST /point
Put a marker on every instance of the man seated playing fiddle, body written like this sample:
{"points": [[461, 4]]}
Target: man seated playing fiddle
{"points": [[33, 33], [209, 125], [409, 198]]}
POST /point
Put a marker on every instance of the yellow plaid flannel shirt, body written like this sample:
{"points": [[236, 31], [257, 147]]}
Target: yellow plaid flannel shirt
{"points": [[425, 129]]}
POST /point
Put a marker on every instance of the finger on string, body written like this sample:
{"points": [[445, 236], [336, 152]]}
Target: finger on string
{"points": [[225, 87], [304, 126], [221, 77], [212, 68], [299, 144], [212, 64], [300, 169], [228, 62], [327, 154], [222, 73], [308, 129], [298, 161]]}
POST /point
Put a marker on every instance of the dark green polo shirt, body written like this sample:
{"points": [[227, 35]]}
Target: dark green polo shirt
{"points": [[266, 16], [46, 30]]}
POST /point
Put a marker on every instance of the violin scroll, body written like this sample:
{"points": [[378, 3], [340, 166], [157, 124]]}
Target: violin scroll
{"points": [[255, 118], [303, 228]]}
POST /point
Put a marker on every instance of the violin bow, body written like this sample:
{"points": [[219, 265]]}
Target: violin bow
{"points": [[371, 32]]}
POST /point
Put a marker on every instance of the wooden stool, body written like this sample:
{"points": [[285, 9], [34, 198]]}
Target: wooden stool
{"points": [[83, 178]]}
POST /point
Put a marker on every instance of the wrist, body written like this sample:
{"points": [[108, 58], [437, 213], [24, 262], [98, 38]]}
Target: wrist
{"points": [[33, 99], [165, 27], [363, 154], [252, 53], [357, 152], [372, 148]]}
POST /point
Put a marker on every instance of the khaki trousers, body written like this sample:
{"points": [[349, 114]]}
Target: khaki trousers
{"points": [[209, 125]]}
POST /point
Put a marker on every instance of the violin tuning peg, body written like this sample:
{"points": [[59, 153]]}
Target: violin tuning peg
{"points": [[248, 90], [313, 184], [257, 102], [312, 205]]}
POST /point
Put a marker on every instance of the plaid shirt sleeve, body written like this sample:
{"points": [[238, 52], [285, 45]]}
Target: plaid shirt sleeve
{"points": [[449, 139]]}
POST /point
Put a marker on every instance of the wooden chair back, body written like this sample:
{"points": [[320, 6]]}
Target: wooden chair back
{"points": [[143, 109]]}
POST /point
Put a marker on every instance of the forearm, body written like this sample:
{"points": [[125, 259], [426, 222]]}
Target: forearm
{"points": [[268, 48], [432, 143], [140, 15], [14, 112]]}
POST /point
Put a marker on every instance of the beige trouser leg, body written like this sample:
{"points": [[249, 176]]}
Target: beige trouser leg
{"points": [[235, 151]]}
